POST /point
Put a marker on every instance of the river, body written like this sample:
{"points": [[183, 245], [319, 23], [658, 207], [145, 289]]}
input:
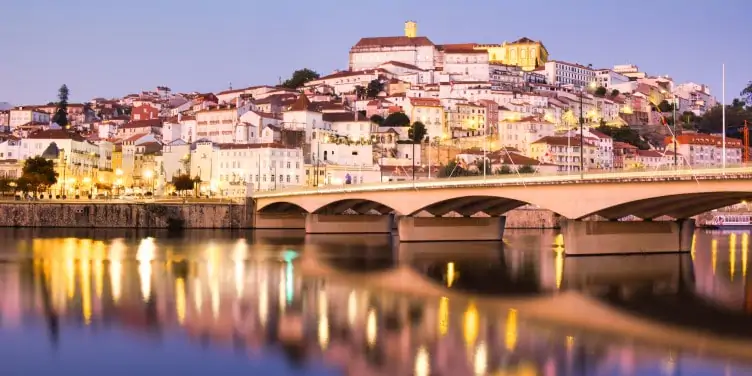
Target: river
{"points": [[122, 302]]}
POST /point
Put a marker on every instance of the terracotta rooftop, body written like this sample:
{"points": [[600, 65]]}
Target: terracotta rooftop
{"points": [[400, 41], [142, 124]]}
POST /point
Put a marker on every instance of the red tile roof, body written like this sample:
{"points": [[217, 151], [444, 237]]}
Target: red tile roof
{"points": [[400, 41], [142, 124]]}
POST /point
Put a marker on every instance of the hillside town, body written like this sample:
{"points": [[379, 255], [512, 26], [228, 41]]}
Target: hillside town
{"points": [[404, 108]]}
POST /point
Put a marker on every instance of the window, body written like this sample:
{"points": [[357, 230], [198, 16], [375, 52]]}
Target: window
{"points": [[288, 178]]}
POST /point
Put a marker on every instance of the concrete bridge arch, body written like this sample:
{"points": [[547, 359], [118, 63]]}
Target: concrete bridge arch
{"points": [[679, 199]]}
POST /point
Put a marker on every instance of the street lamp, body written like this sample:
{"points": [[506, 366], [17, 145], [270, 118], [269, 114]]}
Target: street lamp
{"points": [[673, 126], [87, 180], [119, 179], [148, 175]]}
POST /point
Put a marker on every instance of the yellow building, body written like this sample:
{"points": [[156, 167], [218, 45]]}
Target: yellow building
{"points": [[524, 52], [430, 112]]}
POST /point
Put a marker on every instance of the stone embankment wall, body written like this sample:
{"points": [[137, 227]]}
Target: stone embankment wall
{"points": [[126, 215], [532, 218]]}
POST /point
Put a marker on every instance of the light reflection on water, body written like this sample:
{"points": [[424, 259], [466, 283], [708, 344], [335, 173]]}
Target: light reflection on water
{"points": [[247, 302]]}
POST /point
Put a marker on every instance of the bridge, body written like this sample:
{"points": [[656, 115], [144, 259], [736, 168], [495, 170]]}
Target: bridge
{"points": [[679, 194]]}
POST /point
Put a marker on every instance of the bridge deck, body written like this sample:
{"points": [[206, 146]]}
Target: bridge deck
{"points": [[733, 173]]}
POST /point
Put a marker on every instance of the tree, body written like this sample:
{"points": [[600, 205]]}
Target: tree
{"points": [[453, 169], [417, 132], [615, 93], [5, 185], [377, 119], [61, 112], [374, 88], [625, 134], [503, 170], [396, 119], [360, 92], [300, 77], [600, 91], [526, 169], [689, 120], [712, 120], [747, 93], [479, 166], [38, 174], [665, 106], [183, 183]]}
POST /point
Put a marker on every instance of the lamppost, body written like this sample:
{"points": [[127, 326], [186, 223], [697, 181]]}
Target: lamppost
{"points": [[87, 180], [582, 144], [119, 179], [673, 126], [148, 175], [65, 167]]}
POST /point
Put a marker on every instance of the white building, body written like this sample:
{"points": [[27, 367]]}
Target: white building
{"points": [[27, 115], [521, 133], [696, 97], [176, 159], [564, 73], [707, 150], [263, 166], [345, 82], [411, 49], [465, 63], [604, 157], [609, 79]]}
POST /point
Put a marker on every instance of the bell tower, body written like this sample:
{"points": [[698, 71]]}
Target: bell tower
{"points": [[411, 29]]}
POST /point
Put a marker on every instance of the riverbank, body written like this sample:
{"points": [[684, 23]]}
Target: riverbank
{"points": [[179, 215], [140, 215]]}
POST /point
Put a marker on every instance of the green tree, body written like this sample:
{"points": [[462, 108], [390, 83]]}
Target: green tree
{"points": [[417, 132], [42, 167], [61, 112], [396, 119], [300, 77], [503, 170], [479, 166], [374, 88], [183, 183], [453, 170], [712, 120], [625, 134], [360, 92], [689, 120], [665, 106], [600, 91], [615, 93], [747, 93], [377, 119], [6, 185], [526, 169]]}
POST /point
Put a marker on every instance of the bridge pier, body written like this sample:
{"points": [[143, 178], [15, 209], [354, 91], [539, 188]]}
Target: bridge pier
{"points": [[442, 229], [278, 221], [583, 238], [348, 224]]}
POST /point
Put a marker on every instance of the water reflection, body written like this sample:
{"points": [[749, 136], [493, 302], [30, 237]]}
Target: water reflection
{"points": [[261, 295]]}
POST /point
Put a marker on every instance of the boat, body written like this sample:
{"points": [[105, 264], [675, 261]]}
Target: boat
{"points": [[731, 220]]}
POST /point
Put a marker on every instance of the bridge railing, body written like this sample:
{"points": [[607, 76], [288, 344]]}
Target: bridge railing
{"points": [[573, 177]]}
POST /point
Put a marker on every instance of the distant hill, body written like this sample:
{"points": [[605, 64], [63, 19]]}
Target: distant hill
{"points": [[5, 106]]}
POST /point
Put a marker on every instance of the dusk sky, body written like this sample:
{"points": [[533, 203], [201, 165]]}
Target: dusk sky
{"points": [[110, 49]]}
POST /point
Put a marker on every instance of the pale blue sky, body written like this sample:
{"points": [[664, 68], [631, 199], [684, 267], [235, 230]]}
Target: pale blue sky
{"points": [[107, 48]]}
